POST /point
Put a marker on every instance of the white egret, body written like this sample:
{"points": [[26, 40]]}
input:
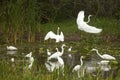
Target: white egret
{"points": [[31, 60], [51, 66], [82, 25], [70, 49], [54, 65], [103, 62], [77, 67], [48, 52], [11, 48], [58, 37], [69, 55], [104, 56], [29, 55], [61, 62], [105, 68], [58, 53], [12, 60]]}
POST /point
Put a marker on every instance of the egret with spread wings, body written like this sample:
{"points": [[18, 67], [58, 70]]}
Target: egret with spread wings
{"points": [[82, 25], [58, 37]]}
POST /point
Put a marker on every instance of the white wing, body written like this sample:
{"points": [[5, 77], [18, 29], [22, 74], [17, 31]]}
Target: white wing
{"points": [[48, 67], [109, 57], [76, 68], [55, 55], [29, 55], [80, 17], [51, 35], [90, 29], [61, 36], [82, 25], [60, 60]]}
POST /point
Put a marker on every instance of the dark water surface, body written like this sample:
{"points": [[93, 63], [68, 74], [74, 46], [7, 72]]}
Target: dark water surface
{"points": [[91, 61]]}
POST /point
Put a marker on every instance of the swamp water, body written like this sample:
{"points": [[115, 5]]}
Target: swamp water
{"points": [[13, 64]]}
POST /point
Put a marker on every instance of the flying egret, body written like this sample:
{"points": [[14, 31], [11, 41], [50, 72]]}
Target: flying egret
{"points": [[70, 49], [58, 53], [11, 48], [58, 37], [78, 67], [104, 56], [82, 25]]}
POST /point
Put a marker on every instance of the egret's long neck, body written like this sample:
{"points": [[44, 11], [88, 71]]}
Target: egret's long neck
{"points": [[81, 61], [62, 50], [88, 19], [98, 53], [58, 31]]}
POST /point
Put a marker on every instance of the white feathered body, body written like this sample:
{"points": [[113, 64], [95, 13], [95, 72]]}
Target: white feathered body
{"points": [[55, 55], [52, 35], [60, 60], [82, 25], [108, 57], [29, 55], [11, 48], [76, 68]]}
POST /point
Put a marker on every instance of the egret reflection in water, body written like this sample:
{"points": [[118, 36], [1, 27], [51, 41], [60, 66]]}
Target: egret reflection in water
{"points": [[11, 52], [55, 65]]}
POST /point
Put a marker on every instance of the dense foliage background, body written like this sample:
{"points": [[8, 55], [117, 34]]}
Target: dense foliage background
{"points": [[21, 20]]}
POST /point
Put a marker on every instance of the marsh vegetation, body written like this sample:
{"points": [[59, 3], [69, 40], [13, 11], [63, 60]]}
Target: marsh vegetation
{"points": [[24, 24]]}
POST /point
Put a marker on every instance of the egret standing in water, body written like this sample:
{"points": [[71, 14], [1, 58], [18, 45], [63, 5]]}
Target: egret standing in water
{"points": [[51, 66], [70, 49], [12, 60], [31, 60], [58, 53], [78, 67], [11, 48], [104, 56], [82, 25], [58, 37]]}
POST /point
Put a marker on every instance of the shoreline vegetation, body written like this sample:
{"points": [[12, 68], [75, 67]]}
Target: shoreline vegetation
{"points": [[24, 21], [24, 24], [110, 31]]}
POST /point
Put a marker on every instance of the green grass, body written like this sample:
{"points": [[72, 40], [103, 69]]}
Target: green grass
{"points": [[69, 27], [83, 46], [109, 25]]}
